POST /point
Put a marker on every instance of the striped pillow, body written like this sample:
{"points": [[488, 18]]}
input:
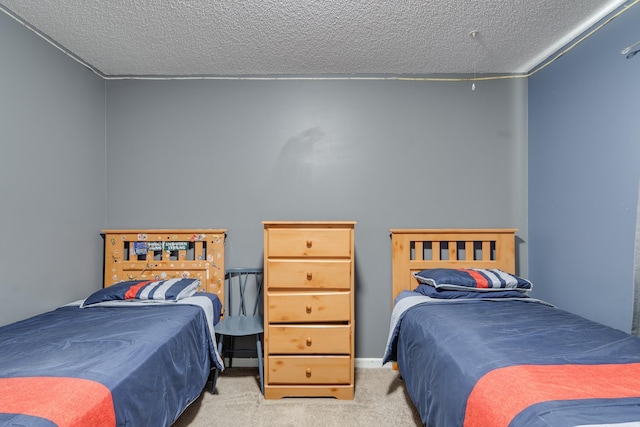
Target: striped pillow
{"points": [[158, 290], [472, 279]]}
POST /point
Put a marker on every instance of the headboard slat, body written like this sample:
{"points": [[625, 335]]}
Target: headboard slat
{"points": [[436, 250], [453, 250], [468, 251], [419, 251]]}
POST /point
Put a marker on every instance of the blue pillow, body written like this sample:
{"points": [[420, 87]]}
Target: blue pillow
{"points": [[472, 279], [158, 290], [432, 292]]}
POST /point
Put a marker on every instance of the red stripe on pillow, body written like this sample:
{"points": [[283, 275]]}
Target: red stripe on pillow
{"points": [[133, 290], [64, 401], [503, 393], [481, 281]]}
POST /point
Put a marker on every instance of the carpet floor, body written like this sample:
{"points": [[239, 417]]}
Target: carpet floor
{"points": [[380, 399]]}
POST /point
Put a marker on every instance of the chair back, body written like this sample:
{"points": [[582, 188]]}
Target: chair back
{"points": [[243, 293]]}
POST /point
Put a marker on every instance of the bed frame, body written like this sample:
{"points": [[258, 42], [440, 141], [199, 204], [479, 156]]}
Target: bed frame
{"points": [[156, 254], [413, 250]]}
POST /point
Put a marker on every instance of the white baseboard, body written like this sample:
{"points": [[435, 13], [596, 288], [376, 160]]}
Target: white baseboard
{"points": [[244, 362], [360, 362], [364, 362]]}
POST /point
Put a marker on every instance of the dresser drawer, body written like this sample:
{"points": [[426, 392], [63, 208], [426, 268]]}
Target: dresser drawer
{"points": [[312, 339], [310, 242], [318, 274], [308, 307], [309, 370]]}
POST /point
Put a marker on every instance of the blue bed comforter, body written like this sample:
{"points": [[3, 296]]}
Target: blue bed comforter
{"points": [[148, 362], [513, 363]]}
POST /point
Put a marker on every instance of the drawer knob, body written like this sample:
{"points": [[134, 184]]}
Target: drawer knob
{"points": [[308, 372], [309, 275], [309, 243], [308, 341], [309, 308]]}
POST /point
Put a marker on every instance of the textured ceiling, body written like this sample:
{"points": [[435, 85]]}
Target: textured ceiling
{"points": [[310, 38]]}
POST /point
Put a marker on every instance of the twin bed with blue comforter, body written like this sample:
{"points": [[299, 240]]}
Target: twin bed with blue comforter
{"points": [[486, 354], [135, 353], [107, 366]]}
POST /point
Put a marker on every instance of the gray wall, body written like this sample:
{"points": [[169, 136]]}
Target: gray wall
{"points": [[584, 168], [52, 175], [387, 154]]}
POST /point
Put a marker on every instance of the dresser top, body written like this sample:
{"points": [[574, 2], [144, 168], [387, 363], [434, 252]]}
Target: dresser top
{"points": [[303, 223]]}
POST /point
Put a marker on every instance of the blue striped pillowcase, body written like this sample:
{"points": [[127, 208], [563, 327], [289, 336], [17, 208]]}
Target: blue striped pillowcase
{"points": [[157, 290], [472, 279]]}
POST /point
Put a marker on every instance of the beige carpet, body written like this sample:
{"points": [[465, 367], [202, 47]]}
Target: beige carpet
{"points": [[380, 400]]}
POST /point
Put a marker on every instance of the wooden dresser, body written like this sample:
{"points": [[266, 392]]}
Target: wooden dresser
{"points": [[309, 309]]}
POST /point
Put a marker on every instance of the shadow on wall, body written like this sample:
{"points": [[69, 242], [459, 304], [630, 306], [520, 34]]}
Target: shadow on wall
{"points": [[316, 158], [302, 159]]}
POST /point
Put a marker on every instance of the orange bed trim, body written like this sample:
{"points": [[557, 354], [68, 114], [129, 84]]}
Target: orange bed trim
{"points": [[503, 393], [64, 401]]}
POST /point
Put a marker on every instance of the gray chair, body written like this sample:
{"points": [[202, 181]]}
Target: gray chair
{"points": [[242, 315]]}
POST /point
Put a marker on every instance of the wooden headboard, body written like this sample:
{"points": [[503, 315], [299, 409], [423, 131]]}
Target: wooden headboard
{"points": [[165, 254], [413, 250]]}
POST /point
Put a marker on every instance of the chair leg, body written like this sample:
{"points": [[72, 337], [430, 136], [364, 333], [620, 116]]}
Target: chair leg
{"points": [[260, 362], [216, 371], [214, 380], [220, 346]]}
